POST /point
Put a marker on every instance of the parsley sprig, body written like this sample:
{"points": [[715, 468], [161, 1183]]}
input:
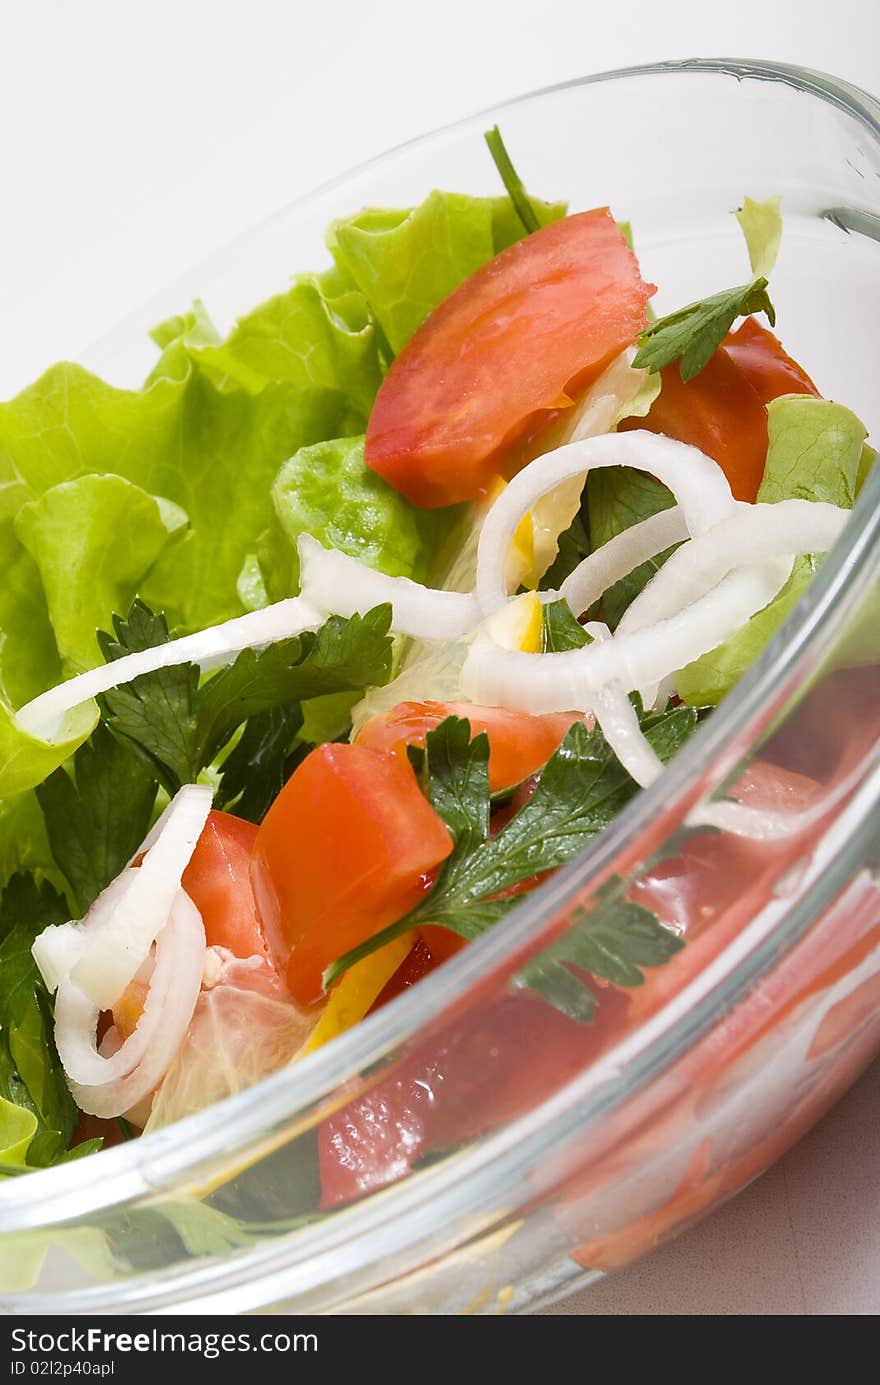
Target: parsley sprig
{"points": [[31, 1076], [692, 334], [178, 725], [583, 786], [614, 939]]}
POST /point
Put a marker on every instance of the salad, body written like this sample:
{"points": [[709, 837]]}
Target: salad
{"points": [[349, 628]]}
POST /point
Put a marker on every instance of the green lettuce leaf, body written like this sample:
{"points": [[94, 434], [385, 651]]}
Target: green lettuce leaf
{"points": [[327, 491], [26, 760], [815, 453], [406, 262], [29, 660], [761, 224], [18, 1125], [319, 334], [24, 844], [93, 541]]}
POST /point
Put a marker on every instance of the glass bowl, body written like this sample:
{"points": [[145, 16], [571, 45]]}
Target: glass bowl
{"points": [[467, 1149]]}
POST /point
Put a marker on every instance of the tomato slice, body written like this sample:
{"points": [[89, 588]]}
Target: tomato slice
{"points": [[218, 882], [534, 325], [519, 743], [769, 369], [346, 848], [722, 410]]}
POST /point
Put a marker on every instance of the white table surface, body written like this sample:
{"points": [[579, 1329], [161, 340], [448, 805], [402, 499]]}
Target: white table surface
{"points": [[138, 138]]}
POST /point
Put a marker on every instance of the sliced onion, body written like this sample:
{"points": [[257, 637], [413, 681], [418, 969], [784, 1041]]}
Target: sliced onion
{"points": [[44, 716], [619, 556], [638, 659], [769, 824], [119, 939], [107, 1086], [335, 582], [620, 725], [696, 481], [752, 534]]}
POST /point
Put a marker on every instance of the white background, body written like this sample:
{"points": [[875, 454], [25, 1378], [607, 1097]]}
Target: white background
{"points": [[138, 137]]}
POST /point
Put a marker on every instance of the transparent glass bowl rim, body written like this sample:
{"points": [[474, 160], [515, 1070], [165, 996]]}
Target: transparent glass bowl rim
{"points": [[140, 1167]]}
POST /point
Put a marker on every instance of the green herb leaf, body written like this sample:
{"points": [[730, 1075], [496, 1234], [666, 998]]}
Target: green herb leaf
{"points": [[692, 334], [97, 817], [344, 655], [510, 178], [573, 546], [255, 770], [154, 714], [26, 908], [177, 727], [615, 939], [583, 786], [617, 498], [561, 630]]}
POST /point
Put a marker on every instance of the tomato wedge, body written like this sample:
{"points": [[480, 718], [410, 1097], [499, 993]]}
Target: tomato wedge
{"points": [[519, 743], [346, 848], [722, 410], [769, 369], [534, 325], [218, 882]]}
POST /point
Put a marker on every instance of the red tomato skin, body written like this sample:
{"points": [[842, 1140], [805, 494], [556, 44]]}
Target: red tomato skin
{"points": [[511, 343], [722, 411], [218, 882], [718, 412], [418, 963], [519, 743], [764, 362], [344, 850]]}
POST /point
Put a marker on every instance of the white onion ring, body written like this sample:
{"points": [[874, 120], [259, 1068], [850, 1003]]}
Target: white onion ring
{"points": [[119, 940], [43, 717], [59, 947], [769, 824], [752, 534], [619, 556], [620, 726], [696, 481], [334, 581], [568, 681], [108, 1086]]}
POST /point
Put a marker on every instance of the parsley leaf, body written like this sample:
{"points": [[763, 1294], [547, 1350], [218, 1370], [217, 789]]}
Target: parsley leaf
{"points": [[583, 786], [692, 334], [96, 818], [510, 178], [343, 656], [573, 546], [25, 910], [31, 1076], [154, 714], [615, 940], [617, 498], [256, 769], [561, 630], [178, 727]]}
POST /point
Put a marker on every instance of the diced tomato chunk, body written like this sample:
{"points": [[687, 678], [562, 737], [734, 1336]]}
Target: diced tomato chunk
{"points": [[218, 881], [519, 743], [514, 341], [722, 411], [346, 848]]}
